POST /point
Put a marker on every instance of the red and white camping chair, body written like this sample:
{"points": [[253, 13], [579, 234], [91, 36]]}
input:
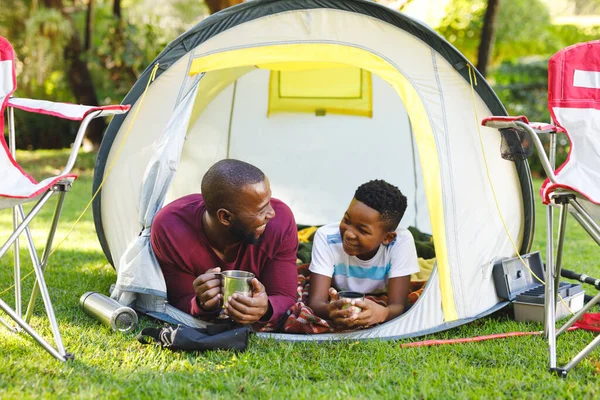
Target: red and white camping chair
{"points": [[574, 104], [17, 187]]}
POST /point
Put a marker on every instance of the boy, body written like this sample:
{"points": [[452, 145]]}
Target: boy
{"points": [[368, 253]]}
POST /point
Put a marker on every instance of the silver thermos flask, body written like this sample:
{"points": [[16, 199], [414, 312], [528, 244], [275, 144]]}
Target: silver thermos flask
{"points": [[108, 311]]}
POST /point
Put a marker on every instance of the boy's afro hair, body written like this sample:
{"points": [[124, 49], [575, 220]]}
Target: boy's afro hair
{"points": [[385, 198]]}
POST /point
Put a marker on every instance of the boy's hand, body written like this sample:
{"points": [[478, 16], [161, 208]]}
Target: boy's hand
{"points": [[340, 316], [371, 313]]}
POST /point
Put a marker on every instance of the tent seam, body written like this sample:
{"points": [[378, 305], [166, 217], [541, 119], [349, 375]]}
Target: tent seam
{"points": [[180, 95]]}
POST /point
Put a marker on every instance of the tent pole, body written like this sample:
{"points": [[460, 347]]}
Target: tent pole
{"points": [[231, 117]]}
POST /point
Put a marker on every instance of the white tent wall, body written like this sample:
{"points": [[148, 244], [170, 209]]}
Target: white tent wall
{"points": [[474, 229], [471, 233], [314, 163], [120, 194]]}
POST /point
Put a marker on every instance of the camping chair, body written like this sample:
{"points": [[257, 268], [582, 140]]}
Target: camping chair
{"points": [[17, 187], [574, 104]]}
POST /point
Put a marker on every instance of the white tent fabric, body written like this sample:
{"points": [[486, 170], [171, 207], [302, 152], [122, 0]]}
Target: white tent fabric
{"points": [[314, 163], [139, 278]]}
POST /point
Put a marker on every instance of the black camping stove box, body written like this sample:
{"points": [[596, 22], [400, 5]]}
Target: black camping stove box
{"points": [[514, 282]]}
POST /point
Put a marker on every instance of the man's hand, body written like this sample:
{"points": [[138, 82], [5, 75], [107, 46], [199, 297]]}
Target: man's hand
{"points": [[247, 310], [208, 290]]}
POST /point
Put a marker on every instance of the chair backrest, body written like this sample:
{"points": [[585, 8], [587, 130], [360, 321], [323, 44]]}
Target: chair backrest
{"points": [[8, 80], [16, 186], [574, 104]]}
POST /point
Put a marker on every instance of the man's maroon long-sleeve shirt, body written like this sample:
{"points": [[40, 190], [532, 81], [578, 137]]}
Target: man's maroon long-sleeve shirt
{"points": [[183, 252]]}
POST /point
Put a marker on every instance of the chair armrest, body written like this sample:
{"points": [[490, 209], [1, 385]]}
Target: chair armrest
{"points": [[503, 122], [542, 127], [521, 123], [74, 112]]}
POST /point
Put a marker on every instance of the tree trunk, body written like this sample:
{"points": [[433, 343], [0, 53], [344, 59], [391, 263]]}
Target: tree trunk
{"points": [[117, 9], [82, 85], [89, 26], [218, 5], [488, 36], [79, 77]]}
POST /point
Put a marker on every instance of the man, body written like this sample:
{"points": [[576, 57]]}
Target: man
{"points": [[233, 224]]}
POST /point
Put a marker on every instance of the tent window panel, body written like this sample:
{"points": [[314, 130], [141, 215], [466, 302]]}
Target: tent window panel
{"points": [[343, 90]]}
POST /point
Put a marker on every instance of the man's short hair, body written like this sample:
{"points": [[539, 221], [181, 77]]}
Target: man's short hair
{"points": [[385, 198], [222, 183]]}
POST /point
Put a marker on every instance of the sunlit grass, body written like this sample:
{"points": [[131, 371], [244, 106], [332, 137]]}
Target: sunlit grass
{"points": [[109, 365]]}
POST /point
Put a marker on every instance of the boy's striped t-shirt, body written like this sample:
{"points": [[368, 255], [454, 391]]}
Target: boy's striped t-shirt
{"points": [[399, 258]]}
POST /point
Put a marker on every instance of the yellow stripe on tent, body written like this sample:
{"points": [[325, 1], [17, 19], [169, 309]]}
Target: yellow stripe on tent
{"points": [[333, 53], [300, 66]]}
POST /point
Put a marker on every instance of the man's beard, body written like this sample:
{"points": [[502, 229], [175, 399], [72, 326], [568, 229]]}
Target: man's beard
{"points": [[242, 235]]}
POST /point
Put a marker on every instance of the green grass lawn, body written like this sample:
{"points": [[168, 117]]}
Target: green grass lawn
{"points": [[109, 365]]}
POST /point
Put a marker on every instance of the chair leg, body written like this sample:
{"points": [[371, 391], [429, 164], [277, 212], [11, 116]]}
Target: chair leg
{"points": [[17, 254], [586, 222], [18, 211], [582, 354], [25, 223], [593, 230], [17, 265], [562, 227], [41, 283], [550, 303], [578, 314], [47, 249], [8, 325], [553, 277], [61, 355], [59, 352]]}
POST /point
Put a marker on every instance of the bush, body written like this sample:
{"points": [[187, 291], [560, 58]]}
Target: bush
{"points": [[35, 131]]}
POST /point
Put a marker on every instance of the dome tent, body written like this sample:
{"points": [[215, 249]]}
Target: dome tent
{"points": [[322, 95]]}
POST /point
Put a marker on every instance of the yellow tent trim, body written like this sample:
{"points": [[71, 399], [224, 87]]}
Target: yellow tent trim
{"points": [[300, 66], [333, 53]]}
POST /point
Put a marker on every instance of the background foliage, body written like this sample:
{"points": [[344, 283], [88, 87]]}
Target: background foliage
{"points": [[123, 44], [525, 40], [121, 47]]}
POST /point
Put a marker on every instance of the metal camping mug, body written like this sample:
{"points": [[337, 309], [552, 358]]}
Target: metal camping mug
{"points": [[108, 311], [235, 281], [346, 294]]}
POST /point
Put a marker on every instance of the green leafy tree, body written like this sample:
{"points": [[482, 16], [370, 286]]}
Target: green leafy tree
{"points": [[522, 28], [525, 40], [86, 52]]}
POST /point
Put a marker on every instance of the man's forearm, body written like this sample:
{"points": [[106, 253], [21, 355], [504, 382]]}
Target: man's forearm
{"points": [[279, 305]]}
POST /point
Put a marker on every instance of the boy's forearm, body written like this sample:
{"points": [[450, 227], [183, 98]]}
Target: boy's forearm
{"points": [[319, 308], [394, 310]]}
